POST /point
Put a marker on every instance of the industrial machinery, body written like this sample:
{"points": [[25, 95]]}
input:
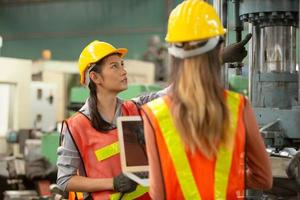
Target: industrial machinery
{"points": [[273, 78], [274, 87]]}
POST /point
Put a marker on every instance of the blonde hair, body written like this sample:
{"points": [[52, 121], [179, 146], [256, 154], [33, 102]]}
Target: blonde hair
{"points": [[199, 109]]}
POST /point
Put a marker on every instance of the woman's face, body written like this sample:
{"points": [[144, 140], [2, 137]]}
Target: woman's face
{"points": [[113, 76]]}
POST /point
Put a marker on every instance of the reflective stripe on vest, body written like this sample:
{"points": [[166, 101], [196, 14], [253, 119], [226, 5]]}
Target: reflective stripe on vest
{"points": [[76, 196], [139, 191], [107, 151], [178, 155], [175, 148], [224, 157]]}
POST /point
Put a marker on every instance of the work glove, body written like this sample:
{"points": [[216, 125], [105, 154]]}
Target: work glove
{"points": [[236, 52], [124, 184]]}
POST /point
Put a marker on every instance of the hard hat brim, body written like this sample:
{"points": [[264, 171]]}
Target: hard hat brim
{"points": [[170, 40], [122, 51]]}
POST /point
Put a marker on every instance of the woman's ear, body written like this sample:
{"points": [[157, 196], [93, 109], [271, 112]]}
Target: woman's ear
{"points": [[95, 77]]}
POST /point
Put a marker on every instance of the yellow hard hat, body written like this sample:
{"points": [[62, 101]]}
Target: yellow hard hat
{"points": [[193, 20], [94, 52]]}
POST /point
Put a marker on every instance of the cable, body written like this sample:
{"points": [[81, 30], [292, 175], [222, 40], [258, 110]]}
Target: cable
{"points": [[121, 196]]}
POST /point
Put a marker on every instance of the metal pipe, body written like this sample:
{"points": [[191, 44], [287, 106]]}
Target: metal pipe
{"points": [[298, 61], [250, 62], [268, 125], [222, 13], [221, 8], [278, 50], [217, 6], [225, 14], [225, 25], [238, 26]]}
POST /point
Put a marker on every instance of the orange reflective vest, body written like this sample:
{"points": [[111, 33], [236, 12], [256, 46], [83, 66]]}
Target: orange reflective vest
{"points": [[194, 176], [99, 153]]}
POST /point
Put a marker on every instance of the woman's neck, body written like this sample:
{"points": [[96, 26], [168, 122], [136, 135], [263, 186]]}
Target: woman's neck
{"points": [[106, 105]]}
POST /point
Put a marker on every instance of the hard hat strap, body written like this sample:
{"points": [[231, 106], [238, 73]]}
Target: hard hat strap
{"points": [[87, 74], [180, 52]]}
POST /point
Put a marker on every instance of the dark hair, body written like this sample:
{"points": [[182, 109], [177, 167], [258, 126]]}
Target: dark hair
{"points": [[97, 121]]}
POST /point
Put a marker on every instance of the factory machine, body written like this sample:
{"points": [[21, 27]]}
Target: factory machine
{"points": [[274, 87]]}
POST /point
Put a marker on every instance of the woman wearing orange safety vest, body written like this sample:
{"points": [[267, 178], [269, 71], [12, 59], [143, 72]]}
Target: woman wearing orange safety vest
{"points": [[88, 158], [196, 134]]}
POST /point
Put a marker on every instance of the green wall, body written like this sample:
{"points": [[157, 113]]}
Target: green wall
{"points": [[66, 26]]}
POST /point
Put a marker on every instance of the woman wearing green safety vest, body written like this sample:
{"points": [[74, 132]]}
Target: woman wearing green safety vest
{"points": [[196, 134]]}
